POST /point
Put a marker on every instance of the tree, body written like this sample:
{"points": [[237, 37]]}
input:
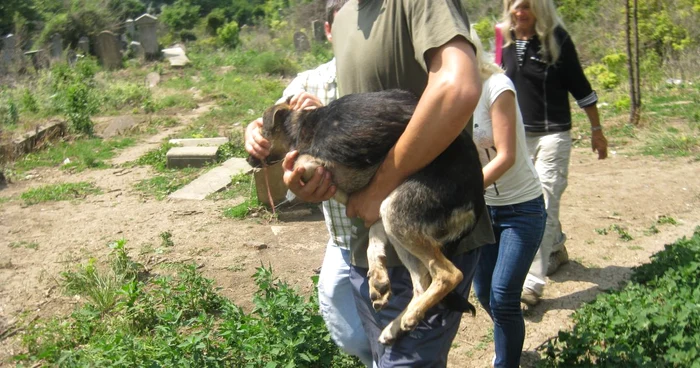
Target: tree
{"points": [[632, 30]]}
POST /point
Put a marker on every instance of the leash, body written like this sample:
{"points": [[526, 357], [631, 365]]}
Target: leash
{"points": [[267, 185]]}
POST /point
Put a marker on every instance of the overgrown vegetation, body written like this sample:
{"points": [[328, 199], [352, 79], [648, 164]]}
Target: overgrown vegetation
{"points": [[653, 322], [59, 192], [76, 155], [133, 319]]}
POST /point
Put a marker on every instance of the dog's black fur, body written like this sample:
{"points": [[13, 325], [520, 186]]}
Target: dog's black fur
{"points": [[351, 137]]}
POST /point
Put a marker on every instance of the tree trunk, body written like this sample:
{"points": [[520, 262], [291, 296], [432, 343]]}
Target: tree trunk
{"points": [[631, 66], [638, 81]]}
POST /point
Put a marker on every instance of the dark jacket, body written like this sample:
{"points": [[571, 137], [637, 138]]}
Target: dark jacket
{"points": [[543, 89]]}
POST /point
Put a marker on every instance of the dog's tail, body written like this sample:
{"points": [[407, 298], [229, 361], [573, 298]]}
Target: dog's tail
{"points": [[455, 302]]}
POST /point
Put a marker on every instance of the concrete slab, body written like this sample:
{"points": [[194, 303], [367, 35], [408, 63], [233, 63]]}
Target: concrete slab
{"points": [[181, 157], [213, 180], [199, 142]]}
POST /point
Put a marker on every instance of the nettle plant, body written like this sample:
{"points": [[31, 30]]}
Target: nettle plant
{"points": [[653, 322]]}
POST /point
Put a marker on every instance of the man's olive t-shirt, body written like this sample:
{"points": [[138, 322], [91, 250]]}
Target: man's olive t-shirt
{"points": [[382, 44]]}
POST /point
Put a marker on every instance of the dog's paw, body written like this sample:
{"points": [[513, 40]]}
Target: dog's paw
{"points": [[379, 289], [390, 334], [410, 320]]}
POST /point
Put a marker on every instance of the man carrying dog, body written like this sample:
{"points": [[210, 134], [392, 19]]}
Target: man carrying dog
{"points": [[423, 47], [314, 88]]}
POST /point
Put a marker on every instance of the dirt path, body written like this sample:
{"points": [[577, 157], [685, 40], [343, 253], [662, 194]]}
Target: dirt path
{"points": [[628, 191]]}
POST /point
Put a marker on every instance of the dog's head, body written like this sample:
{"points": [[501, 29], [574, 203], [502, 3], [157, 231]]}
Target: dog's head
{"points": [[273, 130]]}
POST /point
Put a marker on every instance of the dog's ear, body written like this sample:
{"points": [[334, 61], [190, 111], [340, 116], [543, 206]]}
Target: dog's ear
{"points": [[275, 116]]}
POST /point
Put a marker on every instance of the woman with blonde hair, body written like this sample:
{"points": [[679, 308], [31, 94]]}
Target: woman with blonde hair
{"points": [[516, 206], [541, 60]]}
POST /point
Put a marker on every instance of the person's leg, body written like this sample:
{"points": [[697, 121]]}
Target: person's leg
{"points": [[484, 269], [520, 227], [337, 304], [551, 153], [428, 344]]}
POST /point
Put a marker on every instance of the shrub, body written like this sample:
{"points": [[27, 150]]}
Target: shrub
{"points": [[215, 20], [180, 15], [653, 322], [603, 76], [229, 35]]}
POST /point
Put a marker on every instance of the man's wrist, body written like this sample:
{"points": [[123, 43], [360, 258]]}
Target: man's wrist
{"points": [[596, 128]]}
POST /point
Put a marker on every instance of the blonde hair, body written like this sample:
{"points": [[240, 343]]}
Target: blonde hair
{"points": [[487, 67], [546, 20]]}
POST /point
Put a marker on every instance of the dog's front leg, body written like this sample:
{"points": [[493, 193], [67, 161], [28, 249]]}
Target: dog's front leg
{"points": [[377, 275]]}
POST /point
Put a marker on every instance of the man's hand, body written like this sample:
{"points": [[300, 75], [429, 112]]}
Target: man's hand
{"points": [[256, 145], [365, 204], [304, 101], [318, 189], [599, 143]]}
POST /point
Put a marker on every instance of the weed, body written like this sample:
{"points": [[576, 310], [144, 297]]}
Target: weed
{"points": [[635, 247], [652, 230], [666, 220], [156, 158], [601, 231], [241, 185], [179, 321], [166, 238], [647, 324], [621, 231], [59, 192], [232, 148], [249, 207]]}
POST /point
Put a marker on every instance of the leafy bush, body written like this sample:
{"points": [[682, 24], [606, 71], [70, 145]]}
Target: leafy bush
{"points": [[180, 15], [9, 114], [215, 20], [228, 35], [602, 75], [274, 63], [180, 322], [653, 322]]}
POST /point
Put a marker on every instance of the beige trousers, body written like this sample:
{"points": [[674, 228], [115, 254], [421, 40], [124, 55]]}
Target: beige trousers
{"points": [[550, 152]]}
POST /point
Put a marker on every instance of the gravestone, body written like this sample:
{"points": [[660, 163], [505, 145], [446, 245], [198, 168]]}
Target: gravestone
{"points": [[301, 42], [84, 45], [146, 34], [56, 48], [38, 58], [136, 50], [176, 56], [319, 31], [130, 28], [71, 57], [108, 50], [123, 43], [8, 53]]}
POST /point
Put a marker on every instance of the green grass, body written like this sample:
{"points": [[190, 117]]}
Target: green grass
{"points": [[83, 154], [24, 244], [241, 186], [156, 158], [167, 182], [59, 192], [131, 320]]}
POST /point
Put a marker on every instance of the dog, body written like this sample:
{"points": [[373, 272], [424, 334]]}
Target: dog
{"points": [[439, 204]]}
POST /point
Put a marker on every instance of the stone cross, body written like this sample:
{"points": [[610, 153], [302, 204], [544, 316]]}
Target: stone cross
{"points": [[301, 42], [146, 34], [56, 46], [319, 31], [108, 50]]}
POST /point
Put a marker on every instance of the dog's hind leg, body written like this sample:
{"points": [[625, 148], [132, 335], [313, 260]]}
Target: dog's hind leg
{"points": [[420, 278], [378, 277]]}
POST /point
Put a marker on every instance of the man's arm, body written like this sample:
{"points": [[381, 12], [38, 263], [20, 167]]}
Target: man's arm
{"points": [[443, 110]]}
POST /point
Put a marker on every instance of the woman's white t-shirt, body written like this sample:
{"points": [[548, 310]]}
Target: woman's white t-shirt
{"points": [[520, 183]]}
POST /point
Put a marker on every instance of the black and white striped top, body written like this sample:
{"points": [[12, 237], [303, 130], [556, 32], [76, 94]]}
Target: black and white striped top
{"points": [[520, 46]]}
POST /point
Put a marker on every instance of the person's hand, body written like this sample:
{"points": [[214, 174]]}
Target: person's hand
{"points": [[599, 144], [255, 144], [365, 204], [304, 101], [318, 189]]}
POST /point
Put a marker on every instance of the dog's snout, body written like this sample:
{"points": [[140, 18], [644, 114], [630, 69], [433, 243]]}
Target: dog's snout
{"points": [[254, 161]]}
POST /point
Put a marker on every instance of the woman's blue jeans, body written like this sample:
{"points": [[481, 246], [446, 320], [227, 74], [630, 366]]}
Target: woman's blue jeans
{"points": [[501, 272]]}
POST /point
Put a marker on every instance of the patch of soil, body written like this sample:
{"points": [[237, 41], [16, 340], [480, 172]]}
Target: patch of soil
{"points": [[631, 192]]}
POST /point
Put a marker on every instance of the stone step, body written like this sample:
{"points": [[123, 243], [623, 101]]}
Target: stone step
{"points": [[199, 142], [213, 180], [181, 157]]}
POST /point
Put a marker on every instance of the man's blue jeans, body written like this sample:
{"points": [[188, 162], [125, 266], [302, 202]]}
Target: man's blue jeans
{"points": [[501, 272]]}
